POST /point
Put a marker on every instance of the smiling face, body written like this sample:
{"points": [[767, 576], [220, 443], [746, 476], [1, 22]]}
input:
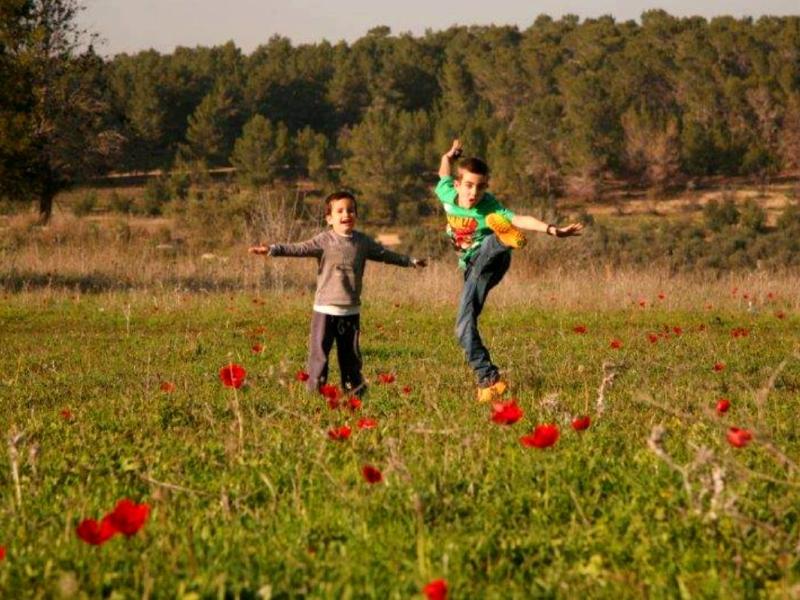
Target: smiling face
{"points": [[342, 216], [470, 187]]}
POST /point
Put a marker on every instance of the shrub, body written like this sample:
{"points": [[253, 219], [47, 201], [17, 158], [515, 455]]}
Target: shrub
{"points": [[85, 203]]}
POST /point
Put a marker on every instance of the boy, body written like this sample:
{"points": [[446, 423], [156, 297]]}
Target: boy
{"points": [[341, 254], [484, 233]]}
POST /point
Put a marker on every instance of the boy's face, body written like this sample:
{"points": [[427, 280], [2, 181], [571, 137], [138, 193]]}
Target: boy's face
{"points": [[343, 216], [470, 188]]}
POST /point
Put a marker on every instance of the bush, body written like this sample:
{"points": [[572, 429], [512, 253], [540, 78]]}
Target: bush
{"points": [[85, 204], [120, 203], [156, 194], [752, 217], [720, 215]]}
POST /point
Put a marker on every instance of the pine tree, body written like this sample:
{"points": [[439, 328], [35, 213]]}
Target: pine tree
{"points": [[261, 152]]}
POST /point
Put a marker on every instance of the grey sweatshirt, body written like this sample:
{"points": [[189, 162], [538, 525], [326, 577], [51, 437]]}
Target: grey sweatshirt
{"points": [[340, 263]]}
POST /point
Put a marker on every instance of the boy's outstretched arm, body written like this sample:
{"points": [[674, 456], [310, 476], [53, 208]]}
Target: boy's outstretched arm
{"points": [[312, 247], [449, 156], [530, 223]]}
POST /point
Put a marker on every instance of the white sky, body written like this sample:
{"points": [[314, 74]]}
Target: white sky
{"points": [[132, 25]]}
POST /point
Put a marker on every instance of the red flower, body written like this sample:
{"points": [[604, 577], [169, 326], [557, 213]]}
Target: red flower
{"points": [[780, 314], [128, 517], [616, 344], [331, 394], [723, 404], [581, 423], [579, 329], [436, 590], [232, 375], [301, 376], [677, 330], [371, 474], [771, 296], [66, 414], [340, 433], [506, 413], [406, 390], [94, 533], [542, 437], [719, 367], [354, 403], [256, 348], [739, 438], [167, 387], [738, 332], [367, 423], [661, 296], [2, 553], [642, 303], [652, 337], [385, 378]]}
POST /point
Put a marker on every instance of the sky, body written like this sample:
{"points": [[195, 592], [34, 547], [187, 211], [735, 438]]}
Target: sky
{"points": [[133, 25]]}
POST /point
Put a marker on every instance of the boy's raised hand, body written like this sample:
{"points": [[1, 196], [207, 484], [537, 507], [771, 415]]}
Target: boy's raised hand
{"points": [[569, 230], [455, 150], [261, 250]]}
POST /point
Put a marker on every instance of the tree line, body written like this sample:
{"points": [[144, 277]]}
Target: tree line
{"points": [[556, 108]]}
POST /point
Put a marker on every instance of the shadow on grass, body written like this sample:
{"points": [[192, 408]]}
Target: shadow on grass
{"points": [[95, 283]]}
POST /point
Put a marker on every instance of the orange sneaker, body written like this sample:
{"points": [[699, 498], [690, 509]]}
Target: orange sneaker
{"points": [[505, 231], [493, 392]]}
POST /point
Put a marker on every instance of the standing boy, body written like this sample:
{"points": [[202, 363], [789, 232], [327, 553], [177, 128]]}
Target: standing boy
{"points": [[341, 254], [484, 232]]}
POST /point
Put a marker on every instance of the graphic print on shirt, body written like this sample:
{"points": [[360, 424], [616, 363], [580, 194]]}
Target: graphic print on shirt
{"points": [[461, 230]]}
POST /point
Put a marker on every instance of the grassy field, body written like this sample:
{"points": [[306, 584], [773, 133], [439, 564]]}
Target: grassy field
{"points": [[623, 509]]}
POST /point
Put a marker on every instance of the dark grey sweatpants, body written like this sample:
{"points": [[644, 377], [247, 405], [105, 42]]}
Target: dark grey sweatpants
{"points": [[345, 331]]}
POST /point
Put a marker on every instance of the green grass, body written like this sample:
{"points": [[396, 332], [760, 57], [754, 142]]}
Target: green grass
{"points": [[598, 514]]}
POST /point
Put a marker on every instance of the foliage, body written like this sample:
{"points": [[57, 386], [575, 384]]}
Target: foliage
{"points": [[261, 151]]}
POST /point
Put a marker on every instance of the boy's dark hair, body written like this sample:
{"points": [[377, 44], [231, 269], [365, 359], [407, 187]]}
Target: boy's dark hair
{"points": [[473, 165], [340, 195]]}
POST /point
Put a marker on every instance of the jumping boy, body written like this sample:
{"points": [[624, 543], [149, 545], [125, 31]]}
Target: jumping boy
{"points": [[341, 254], [484, 232]]}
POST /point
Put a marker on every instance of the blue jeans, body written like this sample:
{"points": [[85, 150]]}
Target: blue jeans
{"points": [[484, 271]]}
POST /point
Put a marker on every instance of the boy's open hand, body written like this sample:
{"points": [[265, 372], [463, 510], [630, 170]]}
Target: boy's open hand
{"points": [[261, 250], [455, 150], [569, 230]]}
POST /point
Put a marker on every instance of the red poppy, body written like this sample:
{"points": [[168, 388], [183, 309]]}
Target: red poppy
{"points": [[642, 303], [738, 332], [723, 404], [652, 337], [677, 330], [2, 553], [719, 367], [739, 438], [232, 375], [436, 590], [386, 378], [506, 413], [661, 296], [340, 433], [354, 403], [331, 394], [94, 533], [581, 423], [406, 390], [301, 376], [616, 344], [780, 314], [542, 437], [701, 327], [371, 474], [367, 423], [256, 348], [66, 414], [128, 517], [167, 387], [580, 329], [770, 296]]}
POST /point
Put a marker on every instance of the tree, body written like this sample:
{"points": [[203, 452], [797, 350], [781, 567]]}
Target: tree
{"points": [[261, 151], [312, 151], [59, 109], [212, 127], [387, 155]]}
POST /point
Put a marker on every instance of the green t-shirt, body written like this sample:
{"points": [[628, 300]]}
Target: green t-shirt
{"points": [[466, 227]]}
